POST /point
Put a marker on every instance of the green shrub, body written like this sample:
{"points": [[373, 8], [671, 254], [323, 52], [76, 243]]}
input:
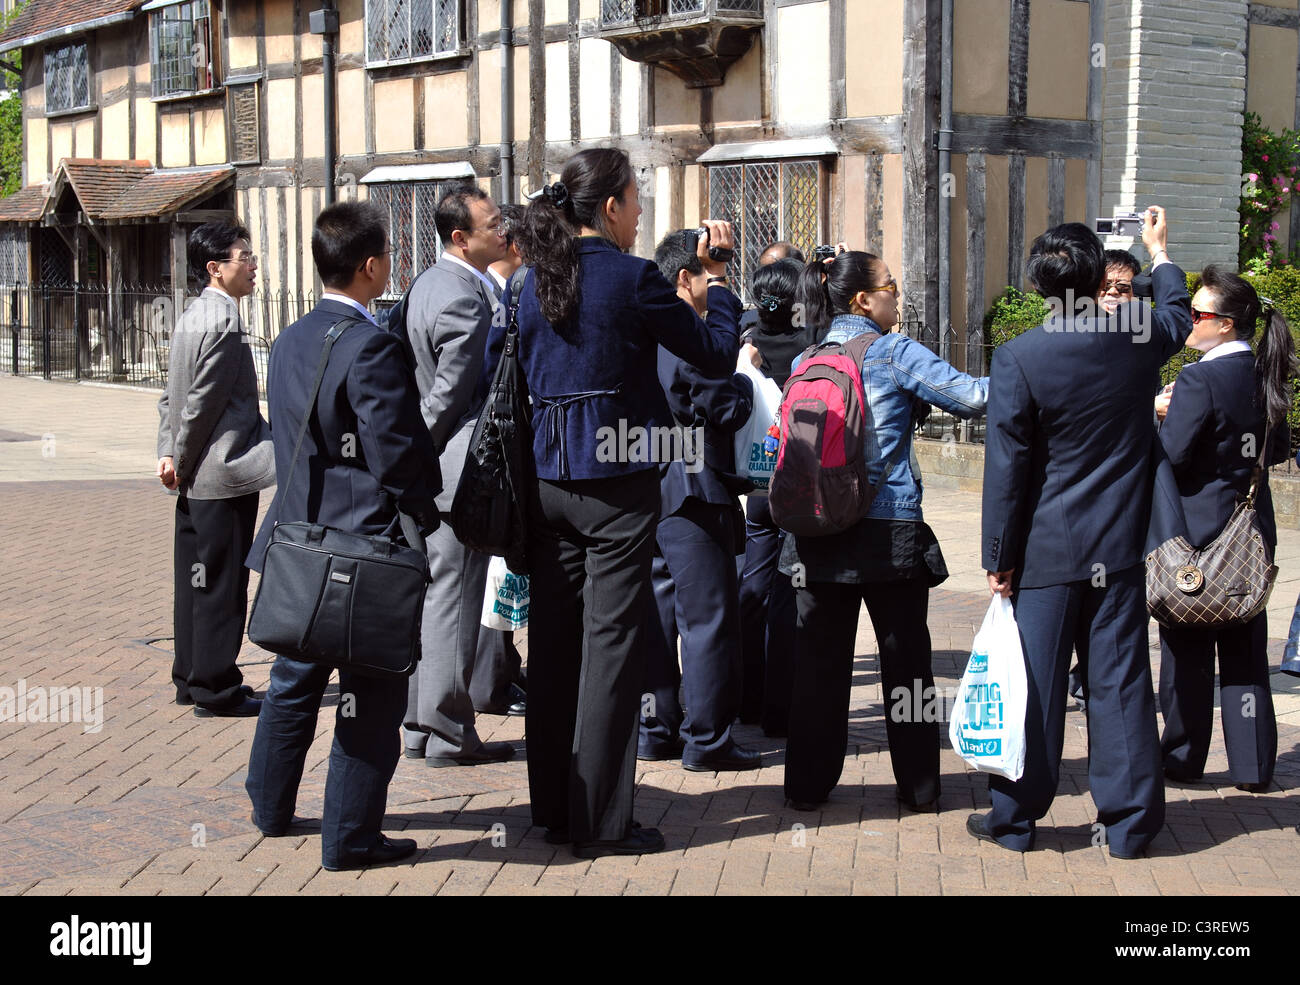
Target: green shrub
{"points": [[1013, 312]]}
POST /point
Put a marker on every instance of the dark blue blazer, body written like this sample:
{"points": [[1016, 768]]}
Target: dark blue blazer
{"points": [[366, 449], [1212, 419], [718, 408], [600, 367], [1067, 458]]}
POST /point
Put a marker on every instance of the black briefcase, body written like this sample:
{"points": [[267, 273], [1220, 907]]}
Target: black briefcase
{"points": [[341, 599]]}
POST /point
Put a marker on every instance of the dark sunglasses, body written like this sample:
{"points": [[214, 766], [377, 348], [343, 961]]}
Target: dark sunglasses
{"points": [[1199, 316]]}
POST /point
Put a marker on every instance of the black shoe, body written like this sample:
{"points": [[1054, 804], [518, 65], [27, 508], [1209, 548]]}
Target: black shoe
{"points": [[557, 836], [1253, 787], [977, 825], [734, 757], [245, 707], [298, 826], [804, 805], [413, 752], [1125, 856], [637, 841], [925, 807], [244, 689], [487, 752], [386, 850], [672, 750]]}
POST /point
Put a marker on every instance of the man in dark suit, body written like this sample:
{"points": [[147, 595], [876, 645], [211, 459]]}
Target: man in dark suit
{"points": [[367, 454], [694, 568], [1067, 490], [449, 313]]}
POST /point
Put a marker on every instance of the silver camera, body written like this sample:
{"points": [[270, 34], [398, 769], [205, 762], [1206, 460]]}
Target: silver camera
{"points": [[1122, 224]]}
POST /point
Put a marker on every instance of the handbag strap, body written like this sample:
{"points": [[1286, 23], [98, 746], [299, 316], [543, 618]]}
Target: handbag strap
{"points": [[1258, 471], [409, 527]]}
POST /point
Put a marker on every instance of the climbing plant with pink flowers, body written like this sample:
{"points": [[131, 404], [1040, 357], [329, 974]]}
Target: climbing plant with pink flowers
{"points": [[1270, 165]]}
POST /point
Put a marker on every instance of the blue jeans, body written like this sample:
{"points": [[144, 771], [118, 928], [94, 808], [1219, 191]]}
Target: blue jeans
{"points": [[362, 759]]}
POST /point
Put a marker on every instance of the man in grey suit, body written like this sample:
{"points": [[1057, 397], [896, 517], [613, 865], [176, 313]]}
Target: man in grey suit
{"points": [[214, 449], [449, 312]]}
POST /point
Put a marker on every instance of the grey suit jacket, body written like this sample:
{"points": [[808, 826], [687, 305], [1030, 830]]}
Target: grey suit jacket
{"points": [[211, 424], [448, 317]]}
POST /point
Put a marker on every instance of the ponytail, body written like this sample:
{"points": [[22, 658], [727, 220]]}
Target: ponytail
{"points": [[548, 240], [1275, 365], [828, 289], [811, 295]]}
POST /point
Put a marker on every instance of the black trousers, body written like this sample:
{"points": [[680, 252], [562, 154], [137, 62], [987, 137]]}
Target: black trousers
{"points": [[497, 665], [694, 581], [213, 537], [767, 623], [590, 543], [1245, 700], [823, 676], [1107, 626]]}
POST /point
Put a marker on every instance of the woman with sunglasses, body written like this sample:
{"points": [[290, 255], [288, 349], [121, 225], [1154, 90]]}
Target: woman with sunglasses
{"points": [[1223, 412], [890, 559]]}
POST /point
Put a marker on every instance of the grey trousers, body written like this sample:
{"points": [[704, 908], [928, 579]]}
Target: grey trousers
{"points": [[439, 713]]}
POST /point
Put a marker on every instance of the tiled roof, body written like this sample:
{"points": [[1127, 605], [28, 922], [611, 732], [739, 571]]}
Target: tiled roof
{"points": [[25, 205], [40, 17], [117, 189], [99, 184], [161, 192]]}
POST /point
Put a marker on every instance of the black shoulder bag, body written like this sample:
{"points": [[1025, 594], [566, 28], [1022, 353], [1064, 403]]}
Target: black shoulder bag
{"points": [[490, 509], [336, 598]]}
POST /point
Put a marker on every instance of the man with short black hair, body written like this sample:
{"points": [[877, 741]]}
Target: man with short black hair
{"points": [[214, 450], [367, 455], [694, 569], [1067, 483], [449, 312]]}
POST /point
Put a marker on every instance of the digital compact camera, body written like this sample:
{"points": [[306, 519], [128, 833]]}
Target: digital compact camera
{"points": [[719, 254]]}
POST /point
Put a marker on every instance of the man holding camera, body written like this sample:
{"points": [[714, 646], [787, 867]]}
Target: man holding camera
{"points": [[694, 568], [1066, 478]]}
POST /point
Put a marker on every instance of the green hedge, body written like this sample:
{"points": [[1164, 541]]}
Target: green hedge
{"points": [[1014, 312]]}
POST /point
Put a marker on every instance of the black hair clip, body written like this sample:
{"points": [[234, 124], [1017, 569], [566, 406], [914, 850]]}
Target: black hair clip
{"points": [[556, 194], [769, 302]]}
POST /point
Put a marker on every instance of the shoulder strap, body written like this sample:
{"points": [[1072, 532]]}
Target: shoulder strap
{"points": [[330, 338], [1258, 471]]}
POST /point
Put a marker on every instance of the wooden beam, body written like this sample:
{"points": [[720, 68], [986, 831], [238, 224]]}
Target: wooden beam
{"points": [[1096, 80], [1294, 239], [769, 42], [1018, 59], [838, 58], [536, 94], [1273, 16], [976, 169], [575, 69], [1016, 221], [920, 274], [1055, 190], [1036, 137], [199, 216]]}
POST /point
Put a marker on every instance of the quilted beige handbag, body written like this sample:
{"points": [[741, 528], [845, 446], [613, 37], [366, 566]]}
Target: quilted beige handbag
{"points": [[1226, 583]]}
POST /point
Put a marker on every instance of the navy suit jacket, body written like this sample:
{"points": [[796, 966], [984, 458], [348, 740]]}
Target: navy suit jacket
{"points": [[1067, 458], [599, 369], [718, 408], [367, 447], [1213, 418]]}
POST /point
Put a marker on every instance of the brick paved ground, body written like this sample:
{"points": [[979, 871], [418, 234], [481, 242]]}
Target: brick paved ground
{"points": [[153, 801]]}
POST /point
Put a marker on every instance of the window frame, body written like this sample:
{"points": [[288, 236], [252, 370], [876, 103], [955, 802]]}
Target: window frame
{"points": [[419, 259], [89, 104], [458, 33], [742, 267], [210, 32]]}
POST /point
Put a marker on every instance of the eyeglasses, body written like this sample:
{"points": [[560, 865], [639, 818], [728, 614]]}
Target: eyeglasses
{"points": [[248, 259], [891, 287], [1199, 316], [497, 228], [1119, 287]]}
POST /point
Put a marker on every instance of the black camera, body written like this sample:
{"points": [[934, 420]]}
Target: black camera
{"points": [[821, 254], [718, 254]]}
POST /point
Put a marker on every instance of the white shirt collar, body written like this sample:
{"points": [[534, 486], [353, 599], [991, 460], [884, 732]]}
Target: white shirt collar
{"points": [[1226, 349], [220, 293], [344, 299], [493, 292]]}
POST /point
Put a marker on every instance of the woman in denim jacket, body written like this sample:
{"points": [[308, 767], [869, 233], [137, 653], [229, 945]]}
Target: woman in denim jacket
{"points": [[889, 560]]}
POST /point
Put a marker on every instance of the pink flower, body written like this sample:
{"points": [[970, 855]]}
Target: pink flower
{"points": [[1285, 190], [1275, 226], [1255, 177], [1265, 158]]}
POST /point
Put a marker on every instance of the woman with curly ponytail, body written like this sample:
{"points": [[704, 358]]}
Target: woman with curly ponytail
{"points": [[1225, 412], [591, 319]]}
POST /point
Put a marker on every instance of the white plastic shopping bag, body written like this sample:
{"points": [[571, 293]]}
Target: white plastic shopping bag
{"points": [[505, 602], [988, 721], [752, 459]]}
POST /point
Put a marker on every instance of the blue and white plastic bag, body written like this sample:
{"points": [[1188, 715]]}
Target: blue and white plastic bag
{"points": [[988, 721], [755, 456], [505, 602]]}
